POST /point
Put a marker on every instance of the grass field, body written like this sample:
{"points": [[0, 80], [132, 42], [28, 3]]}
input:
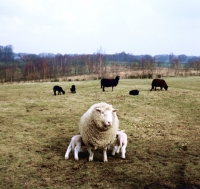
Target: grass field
{"points": [[163, 129]]}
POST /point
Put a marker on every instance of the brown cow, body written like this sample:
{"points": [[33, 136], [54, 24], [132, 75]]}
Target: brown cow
{"points": [[159, 83]]}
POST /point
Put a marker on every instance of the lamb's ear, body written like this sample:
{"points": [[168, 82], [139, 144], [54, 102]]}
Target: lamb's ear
{"points": [[115, 110]]}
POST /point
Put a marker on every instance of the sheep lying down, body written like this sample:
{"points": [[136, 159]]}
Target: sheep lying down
{"points": [[75, 146], [98, 127]]}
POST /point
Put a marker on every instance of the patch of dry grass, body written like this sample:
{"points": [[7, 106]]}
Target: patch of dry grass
{"points": [[162, 126]]}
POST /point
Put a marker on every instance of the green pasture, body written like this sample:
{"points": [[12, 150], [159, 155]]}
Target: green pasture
{"points": [[163, 129]]}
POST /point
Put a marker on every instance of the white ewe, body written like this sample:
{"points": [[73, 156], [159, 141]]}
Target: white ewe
{"points": [[120, 144], [98, 127], [75, 146]]}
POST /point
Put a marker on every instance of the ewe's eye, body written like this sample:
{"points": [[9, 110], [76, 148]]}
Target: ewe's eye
{"points": [[102, 113]]}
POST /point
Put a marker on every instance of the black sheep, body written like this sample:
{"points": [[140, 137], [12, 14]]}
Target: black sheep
{"points": [[134, 92], [109, 82], [73, 89], [59, 89]]}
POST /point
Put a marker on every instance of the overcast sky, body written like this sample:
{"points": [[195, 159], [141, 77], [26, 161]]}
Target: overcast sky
{"points": [[86, 26]]}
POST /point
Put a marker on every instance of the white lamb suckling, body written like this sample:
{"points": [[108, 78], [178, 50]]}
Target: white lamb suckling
{"points": [[98, 127], [75, 146], [121, 143]]}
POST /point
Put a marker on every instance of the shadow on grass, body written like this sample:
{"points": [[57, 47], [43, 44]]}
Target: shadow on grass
{"points": [[117, 173]]}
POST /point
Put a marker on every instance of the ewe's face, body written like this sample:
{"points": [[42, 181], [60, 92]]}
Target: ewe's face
{"points": [[106, 116]]}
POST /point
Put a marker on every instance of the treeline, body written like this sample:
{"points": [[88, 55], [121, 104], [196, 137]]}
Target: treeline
{"points": [[27, 67]]}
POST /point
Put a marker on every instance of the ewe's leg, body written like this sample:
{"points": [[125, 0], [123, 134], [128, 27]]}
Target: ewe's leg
{"points": [[68, 151], [105, 159], [91, 153]]}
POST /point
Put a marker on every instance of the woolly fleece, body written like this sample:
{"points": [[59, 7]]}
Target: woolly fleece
{"points": [[92, 127]]}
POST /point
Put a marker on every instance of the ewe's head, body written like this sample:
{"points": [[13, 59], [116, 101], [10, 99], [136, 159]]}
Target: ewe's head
{"points": [[106, 116]]}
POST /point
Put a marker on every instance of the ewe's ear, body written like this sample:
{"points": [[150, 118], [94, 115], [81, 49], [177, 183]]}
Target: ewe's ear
{"points": [[98, 110], [115, 110]]}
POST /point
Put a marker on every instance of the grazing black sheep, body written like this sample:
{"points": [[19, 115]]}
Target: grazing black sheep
{"points": [[134, 92], [109, 82], [59, 89], [73, 89], [159, 83]]}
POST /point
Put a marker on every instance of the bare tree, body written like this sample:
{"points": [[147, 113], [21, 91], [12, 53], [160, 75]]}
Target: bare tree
{"points": [[101, 59]]}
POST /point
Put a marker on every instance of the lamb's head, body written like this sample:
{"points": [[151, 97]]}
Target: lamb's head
{"points": [[105, 116]]}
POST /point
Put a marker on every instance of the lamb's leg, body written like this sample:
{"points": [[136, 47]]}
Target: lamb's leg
{"points": [[114, 150], [118, 149], [68, 151], [76, 150], [123, 151], [91, 153], [105, 159]]}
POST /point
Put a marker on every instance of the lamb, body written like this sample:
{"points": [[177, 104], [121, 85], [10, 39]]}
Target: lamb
{"points": [[59, 89], [121, 143], [73, 89], [75, 146], [98, 127], [109, 82]]}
